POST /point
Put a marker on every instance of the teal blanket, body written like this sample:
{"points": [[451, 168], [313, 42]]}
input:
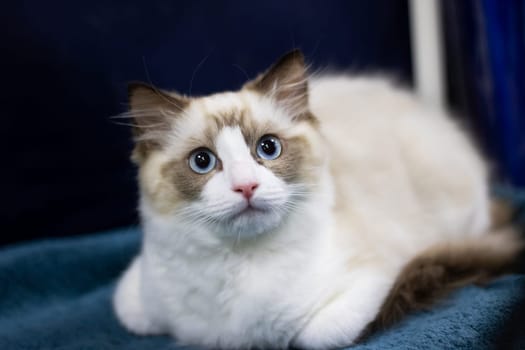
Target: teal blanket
{"points": [[56, 294]]}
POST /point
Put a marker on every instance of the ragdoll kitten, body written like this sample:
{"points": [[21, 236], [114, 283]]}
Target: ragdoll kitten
{"points": [[283, 214]]}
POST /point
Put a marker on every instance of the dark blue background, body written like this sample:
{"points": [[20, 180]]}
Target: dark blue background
{"points": [[65, 65]]}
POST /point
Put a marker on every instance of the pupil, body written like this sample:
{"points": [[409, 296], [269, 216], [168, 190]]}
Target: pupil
{"points": [[268, 147], [202, 160]]}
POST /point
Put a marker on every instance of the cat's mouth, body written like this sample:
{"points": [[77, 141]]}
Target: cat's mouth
{"points": [[248, 211], [250, 219]]}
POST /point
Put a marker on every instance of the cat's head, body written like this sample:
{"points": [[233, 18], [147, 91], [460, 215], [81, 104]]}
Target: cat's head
{"points": [[237, 162]]}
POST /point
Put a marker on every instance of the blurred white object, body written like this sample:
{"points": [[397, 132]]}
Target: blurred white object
{"points": [[427, 50]]}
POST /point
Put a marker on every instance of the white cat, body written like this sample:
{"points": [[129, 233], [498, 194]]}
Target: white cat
{"points": [[282, 214]]}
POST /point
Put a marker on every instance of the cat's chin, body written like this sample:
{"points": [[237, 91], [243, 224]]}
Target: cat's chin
{"points": [[249, 223]]}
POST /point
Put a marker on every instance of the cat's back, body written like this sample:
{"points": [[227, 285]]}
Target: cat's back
{"points": [[395, 158], [329, 92]]}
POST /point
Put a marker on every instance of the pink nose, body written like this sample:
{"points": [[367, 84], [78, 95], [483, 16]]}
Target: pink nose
{"points": [[246, 189]]}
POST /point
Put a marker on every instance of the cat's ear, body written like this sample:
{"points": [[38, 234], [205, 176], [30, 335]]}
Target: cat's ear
{"points": [[152, 111], [286, 82]]}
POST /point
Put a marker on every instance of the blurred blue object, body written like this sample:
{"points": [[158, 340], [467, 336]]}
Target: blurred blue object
{"points": [[486, 73]]}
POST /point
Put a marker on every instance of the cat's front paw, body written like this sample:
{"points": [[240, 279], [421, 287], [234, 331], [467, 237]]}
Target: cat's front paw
{"points": [[128, 304], [340, 323], [321, 337]]}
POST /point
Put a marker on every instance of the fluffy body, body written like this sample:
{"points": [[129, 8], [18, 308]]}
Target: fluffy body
{"points": [[386, 178]]}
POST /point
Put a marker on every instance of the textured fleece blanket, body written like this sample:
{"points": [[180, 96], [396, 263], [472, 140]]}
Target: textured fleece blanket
{"points": [[56, 294]]}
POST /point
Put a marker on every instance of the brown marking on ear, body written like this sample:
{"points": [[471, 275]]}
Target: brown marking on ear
{"points": [[286, 82], [153, 111], [436, 272]]}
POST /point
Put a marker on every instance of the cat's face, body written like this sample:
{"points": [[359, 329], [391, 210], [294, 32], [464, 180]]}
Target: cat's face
{"points": [[236, 162]]}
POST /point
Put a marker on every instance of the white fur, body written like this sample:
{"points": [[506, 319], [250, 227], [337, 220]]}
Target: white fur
{"points": [[405, 176]]}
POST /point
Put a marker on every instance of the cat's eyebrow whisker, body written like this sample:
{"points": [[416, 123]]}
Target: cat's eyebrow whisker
{"points": [[137, 113], [149, 126], [122, 116], [150, 113], [126, 124]]}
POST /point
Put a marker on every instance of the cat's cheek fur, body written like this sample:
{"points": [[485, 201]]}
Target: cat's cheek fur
{"points": [[157, 189]]}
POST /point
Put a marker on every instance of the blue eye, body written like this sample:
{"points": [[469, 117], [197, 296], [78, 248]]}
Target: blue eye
{"points": [[202, 161], [269, 147]]}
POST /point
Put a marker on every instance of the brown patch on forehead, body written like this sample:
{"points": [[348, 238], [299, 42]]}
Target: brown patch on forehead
{"points": [[225, 118], [188, 183], [250, 129]]}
